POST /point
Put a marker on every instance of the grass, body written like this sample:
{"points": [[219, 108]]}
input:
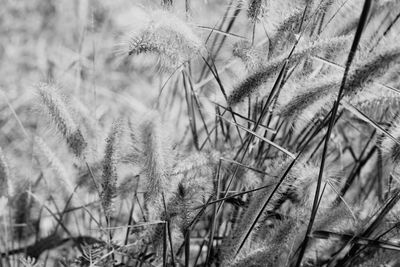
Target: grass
{"points": [[200, 133]]}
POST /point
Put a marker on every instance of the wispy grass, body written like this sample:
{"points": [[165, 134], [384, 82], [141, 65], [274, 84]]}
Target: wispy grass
{"points": [[298, 168], [253, 82], [61, 116], [110, 175], [165, 35]]}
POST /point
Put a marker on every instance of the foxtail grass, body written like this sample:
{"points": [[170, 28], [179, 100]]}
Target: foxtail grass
{"points": [[253, 82], [60, 114], [167, 36], [110, 175]]}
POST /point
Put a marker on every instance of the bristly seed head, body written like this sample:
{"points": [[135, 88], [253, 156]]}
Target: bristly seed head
{"points": [[165, 35], [254, 81], [62, 118], [256, 10], [110, 176]]}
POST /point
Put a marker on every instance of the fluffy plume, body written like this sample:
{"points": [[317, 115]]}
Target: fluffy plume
{"points": [[300, 185], [197, 162], [256, 10], [164, 34], [61, 117], [284, 33], [310, 95], [109, 176], [156, 162], [231, 244], [298, 188], [251, 56], [379, 104], [152, 152], [192, 191], [337, 220], [276, 252], [252, 83], [371, 69]]}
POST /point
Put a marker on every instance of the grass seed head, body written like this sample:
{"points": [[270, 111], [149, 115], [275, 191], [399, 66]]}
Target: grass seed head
{"points": [[61, 116], [110, 175], [165, 35], [256, 10], [254, 81]]}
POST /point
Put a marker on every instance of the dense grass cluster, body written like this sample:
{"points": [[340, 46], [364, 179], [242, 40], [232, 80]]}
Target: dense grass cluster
{"points": [[191, 133]]}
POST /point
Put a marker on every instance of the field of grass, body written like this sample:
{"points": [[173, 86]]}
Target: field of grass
{"points": [[231, 133]]}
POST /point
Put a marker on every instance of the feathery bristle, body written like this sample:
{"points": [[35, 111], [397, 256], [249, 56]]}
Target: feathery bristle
{"points": [[379, 105], [320, 95], [151, 151], [251, 56], [252, 83], [197, 162], [231, 244], [165, 35], [192, 191], [256, 10], [370, 70], [309, 93], [275, 252], [157, 161], [62, 118], [302, 181], [110, 176]]}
